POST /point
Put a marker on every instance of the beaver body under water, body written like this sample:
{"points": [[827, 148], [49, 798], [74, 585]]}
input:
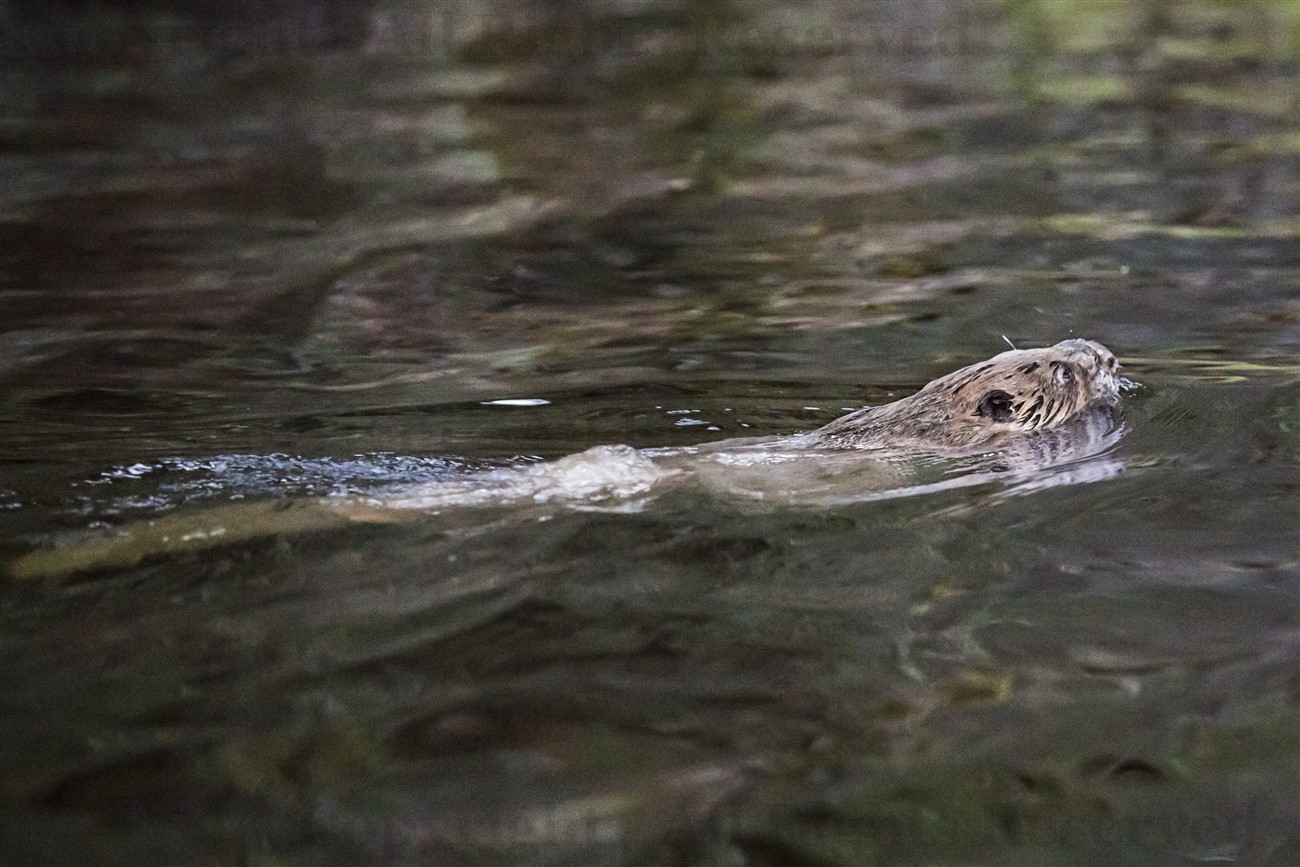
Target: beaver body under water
{"points": [[1025, 410]]}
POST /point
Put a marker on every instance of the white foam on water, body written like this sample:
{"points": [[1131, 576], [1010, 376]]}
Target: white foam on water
{"points": [[597, 475]]}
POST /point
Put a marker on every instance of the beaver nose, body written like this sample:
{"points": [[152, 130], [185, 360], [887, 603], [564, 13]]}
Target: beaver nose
{"points": [[1103, 356]]}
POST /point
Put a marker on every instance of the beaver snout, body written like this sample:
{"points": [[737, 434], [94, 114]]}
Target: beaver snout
{"points": [[1105, 358], [1100, 355]]}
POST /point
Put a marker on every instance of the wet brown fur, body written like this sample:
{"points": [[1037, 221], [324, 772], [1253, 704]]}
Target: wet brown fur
{"points": [[1020, 390]]}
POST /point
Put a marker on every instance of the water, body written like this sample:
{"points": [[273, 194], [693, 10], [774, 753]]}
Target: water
{"points": [[252, 259]]}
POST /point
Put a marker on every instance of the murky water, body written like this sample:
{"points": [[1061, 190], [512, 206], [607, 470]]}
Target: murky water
{"points": [[249, 259]]}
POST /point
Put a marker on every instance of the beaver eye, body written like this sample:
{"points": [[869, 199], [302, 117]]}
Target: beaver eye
{"points": [[996, 406], [1064, 376]]}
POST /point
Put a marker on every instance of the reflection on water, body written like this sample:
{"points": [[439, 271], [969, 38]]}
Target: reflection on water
{"points": [[337, 243]]}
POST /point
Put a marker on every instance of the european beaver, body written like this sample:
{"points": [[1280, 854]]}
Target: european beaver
{"points": [[1033, 408]]}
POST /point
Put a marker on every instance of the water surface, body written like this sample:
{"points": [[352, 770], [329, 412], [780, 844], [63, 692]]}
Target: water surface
{"points": [[251, 260]]}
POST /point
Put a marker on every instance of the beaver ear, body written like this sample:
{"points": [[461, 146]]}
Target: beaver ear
{"points": [[996, 405]]}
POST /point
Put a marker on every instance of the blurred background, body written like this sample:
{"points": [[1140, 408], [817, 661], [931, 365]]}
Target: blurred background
{"points": [[255, 250]]}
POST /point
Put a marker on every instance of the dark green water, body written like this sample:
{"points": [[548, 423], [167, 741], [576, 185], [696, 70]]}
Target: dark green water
{"points": [[265, 255]]}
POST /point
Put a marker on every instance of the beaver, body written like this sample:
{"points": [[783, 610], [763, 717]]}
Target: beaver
{"points": [[1034, 408], [1020, 390]]}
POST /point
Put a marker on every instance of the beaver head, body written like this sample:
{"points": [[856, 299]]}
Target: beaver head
{"points": [[1019, 390], [1030, 389]]}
